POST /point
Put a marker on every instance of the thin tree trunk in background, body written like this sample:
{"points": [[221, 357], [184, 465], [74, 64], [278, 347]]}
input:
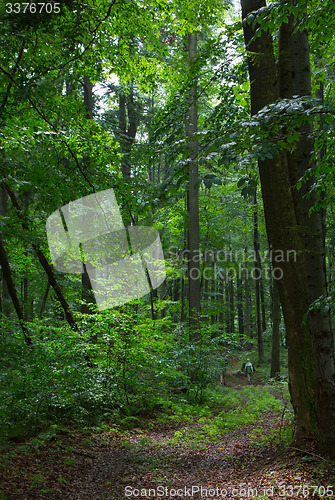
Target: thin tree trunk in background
{"points": [[330, 266], [182, 291], [151, 172], [5, 296], [232, 305], [193, 199], [44, 262], [257, 278], [175, 295], [319, 94], [220, 286], [246, 298], [87, 291], [263, 309], [45, 298], [239, 288], [123, 128], [215, 287], [227, 305], [203, 277], [25, 299], [183, 288], [88, 97], [127, 134], [166, 167], [12, 291], [252, 310], [275, 351], [24, 277], [162, 293]]}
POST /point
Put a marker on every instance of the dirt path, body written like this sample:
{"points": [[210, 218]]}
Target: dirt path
{"points": [[147, 464], [159, 462], [214, 470]]}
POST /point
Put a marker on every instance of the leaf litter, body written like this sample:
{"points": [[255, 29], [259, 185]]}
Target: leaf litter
{"points": [[157, 461]]}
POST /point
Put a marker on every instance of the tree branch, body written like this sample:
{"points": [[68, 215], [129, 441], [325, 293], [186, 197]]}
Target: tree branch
{"points": [[42, 115], [11, 75], [43, 261], [7, 273]]}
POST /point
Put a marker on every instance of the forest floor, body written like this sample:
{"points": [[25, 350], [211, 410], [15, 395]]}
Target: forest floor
{"points": [[167, 460]]}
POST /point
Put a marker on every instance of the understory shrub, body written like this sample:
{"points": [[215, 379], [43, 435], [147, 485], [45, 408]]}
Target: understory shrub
{"points": [[115, 365]]}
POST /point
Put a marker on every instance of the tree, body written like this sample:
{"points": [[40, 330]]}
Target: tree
{"points": [[192, 195], [87, 291], [4, 297], [257, 278], [295, 79], [12, 291], [282, 234], [275, 351], [290, 223]]}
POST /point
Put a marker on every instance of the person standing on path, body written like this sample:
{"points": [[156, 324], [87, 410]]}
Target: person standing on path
{"points": [[248, 368]]}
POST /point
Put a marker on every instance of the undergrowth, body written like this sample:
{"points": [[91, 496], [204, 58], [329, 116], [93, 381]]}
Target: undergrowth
{"points": [[224, 410]]}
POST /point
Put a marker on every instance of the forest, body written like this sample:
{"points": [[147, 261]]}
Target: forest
{"points": [[167, 181]]}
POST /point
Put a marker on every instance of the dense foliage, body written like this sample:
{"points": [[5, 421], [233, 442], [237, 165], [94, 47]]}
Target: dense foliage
{"points": [[97, 96]]}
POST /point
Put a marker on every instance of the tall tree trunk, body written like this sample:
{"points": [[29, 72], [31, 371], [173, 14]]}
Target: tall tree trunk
{"points": [[87, 290], [162, 296], [128, 123], [44, 300], [182, 291], [193, 198], [283, 236], [204, 286], [239, 288], [220, 287], [215, 298], [247, 298], [25, 298], [24, 277], [151, 171], [232, 305], [5, 296], [295, 44], [123, 130], [257, 278], [88, 97], [319, 94], [263, 308], [227, 305], [275, 351]]}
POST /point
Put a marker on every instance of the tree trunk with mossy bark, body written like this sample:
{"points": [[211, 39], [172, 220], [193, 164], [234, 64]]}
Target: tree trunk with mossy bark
{"points": [[283, 235], [295, 79]]}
